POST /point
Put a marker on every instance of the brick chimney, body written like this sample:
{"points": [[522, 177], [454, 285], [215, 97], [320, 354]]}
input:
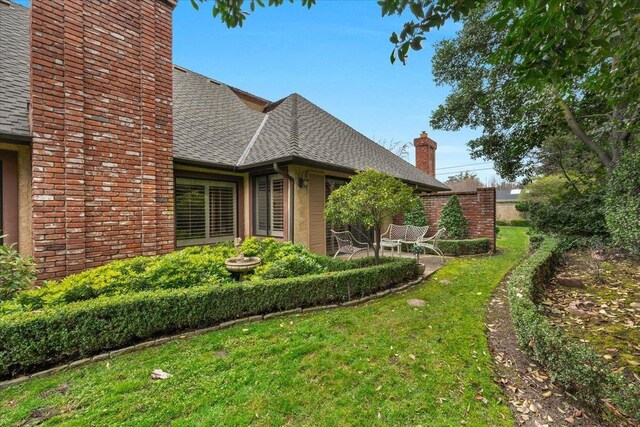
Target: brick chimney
{"points": [[101, 93], [425, 153]]}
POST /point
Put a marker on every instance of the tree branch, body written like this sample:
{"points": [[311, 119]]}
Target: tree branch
{"points": [[582, 135]]}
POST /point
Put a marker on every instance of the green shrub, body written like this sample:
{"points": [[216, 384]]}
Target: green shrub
{"points": [[194, 266], [572, 364], [520, 223], [42, 338], [16, 272], [291, 265], [453, 220], [416, 215], [553, 205], [465, 247], [622, 204]]}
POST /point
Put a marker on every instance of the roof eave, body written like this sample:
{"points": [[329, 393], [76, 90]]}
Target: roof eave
{"points": [[16, 138]]}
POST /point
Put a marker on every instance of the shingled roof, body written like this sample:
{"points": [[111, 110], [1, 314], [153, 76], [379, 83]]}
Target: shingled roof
{"points": [[14, 70], [292, 129], [216, 124]]}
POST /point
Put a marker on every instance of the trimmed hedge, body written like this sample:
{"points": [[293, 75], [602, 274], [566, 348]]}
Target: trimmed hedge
{"points": [[35, 340], [515, 223], [465, 247], [573, 364]]}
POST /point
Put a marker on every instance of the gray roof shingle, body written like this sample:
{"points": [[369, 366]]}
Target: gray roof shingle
{"points": [[298, 128], [14, 70], [210, 123]]}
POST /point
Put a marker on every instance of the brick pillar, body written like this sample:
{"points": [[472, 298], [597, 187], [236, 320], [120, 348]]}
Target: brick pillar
{"points": [[487, 214], [426, 154], [101, 91]]}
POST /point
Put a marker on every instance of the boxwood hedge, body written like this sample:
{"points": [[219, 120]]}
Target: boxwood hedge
{"points": [[573, 364], [34, 340], [465, 247]]}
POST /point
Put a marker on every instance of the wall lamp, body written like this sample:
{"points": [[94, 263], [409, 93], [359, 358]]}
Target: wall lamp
{"points": [[303, 180]]}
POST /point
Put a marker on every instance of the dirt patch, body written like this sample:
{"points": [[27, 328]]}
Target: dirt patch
{"points": [[38, 416], [62, 390], [605, 311], [221, 354], [532, 396]]}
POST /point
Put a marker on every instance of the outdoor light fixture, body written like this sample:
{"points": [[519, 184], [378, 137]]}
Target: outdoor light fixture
{"points": [[303, 181]]}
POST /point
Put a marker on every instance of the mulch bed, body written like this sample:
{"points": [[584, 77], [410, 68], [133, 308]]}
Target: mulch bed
{"points": [[532, 396], [595, 297]]}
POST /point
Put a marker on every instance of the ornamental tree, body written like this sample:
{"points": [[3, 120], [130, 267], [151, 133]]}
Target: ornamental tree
{"points": [[453, 220], [370, 199]]}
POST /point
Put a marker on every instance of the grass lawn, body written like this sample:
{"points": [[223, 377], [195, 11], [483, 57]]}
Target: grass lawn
{"points": [[384, 363]]}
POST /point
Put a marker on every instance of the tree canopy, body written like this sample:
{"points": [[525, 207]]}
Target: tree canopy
{"points": [[520, 101]]}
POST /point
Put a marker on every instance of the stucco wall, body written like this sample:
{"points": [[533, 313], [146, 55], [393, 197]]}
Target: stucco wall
{"points": [[25, 213], [307, 223], [506, 211]]}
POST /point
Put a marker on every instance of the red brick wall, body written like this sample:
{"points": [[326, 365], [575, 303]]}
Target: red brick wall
{"points": [[478, 207], [101, 83]]}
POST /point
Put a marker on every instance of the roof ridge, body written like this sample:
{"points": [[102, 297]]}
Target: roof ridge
{"points": [[248, 148], [294, 136]]}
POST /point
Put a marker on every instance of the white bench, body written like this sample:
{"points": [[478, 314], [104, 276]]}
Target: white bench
{"points": [[397, 235]]}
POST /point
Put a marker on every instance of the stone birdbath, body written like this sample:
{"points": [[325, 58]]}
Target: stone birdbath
{"points": [[241, 264]]}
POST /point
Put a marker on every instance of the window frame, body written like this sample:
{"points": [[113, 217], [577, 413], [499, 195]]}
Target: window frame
{"points": [[208, 183], [269, 231]]}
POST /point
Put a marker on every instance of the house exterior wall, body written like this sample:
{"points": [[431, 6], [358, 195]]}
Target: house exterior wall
{"points": [[101, 92], [478, 207], [23, 223], [309, 221], [506, 211]]}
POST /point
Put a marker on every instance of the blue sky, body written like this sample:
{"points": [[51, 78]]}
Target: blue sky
{"points": [[336, 55]]}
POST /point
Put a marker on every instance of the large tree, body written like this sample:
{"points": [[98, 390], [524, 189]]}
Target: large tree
{"points": [[371, 199], [531, 62]]}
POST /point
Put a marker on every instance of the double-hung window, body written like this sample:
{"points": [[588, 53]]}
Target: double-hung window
{"points": [[269, 205], [206, 211]]}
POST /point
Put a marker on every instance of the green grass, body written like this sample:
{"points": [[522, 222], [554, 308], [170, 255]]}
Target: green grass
{"points": [[383, 363]]}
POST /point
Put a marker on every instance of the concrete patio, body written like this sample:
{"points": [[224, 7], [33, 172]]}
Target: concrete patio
{"points": [[432, 263]]}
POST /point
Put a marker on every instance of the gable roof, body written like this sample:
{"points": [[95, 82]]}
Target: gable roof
{"points": [[210, 123], [14, 70], [216, 124]]}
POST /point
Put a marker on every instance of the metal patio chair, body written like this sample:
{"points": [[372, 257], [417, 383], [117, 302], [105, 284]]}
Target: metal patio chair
{"points": [[432, 242], [347, 244]]}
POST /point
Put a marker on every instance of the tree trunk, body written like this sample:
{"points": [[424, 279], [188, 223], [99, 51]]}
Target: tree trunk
{"points": [[577, 130], [376, 246]]}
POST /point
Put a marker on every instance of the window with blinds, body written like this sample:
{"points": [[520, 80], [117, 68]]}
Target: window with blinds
{"points": [[205, 211], [269, 205]]}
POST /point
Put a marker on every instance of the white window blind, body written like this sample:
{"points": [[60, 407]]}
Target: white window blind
{"points": [[269, 205], [205, 211]]}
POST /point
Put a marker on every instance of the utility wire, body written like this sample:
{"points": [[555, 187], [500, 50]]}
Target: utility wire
{"points": [[461, 166], [468, 170]]}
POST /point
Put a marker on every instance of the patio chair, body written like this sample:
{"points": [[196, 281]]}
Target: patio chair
{"points": [[347, 244], [415, 234], [395, 234], [431, 243]]}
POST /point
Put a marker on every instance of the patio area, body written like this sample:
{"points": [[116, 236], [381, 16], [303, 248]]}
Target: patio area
{"points": [[432, 263]]}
